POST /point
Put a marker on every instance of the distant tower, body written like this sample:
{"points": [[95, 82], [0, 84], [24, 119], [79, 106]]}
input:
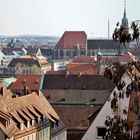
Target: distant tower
{"points": [[108, 29], [124, 19]]}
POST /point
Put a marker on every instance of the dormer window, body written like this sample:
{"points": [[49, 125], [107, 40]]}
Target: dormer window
{"points": [[45, 118], [21, 126], [28, 124], [33, 122], [39, 120]]}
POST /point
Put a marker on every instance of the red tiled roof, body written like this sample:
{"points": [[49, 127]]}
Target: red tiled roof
{"points": [[55, 72], [83, 59], [122, 59], [31, 81], [86, 69], [71, 38]]}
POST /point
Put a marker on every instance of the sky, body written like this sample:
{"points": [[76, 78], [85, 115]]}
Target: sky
{"points": [[53, 17]]}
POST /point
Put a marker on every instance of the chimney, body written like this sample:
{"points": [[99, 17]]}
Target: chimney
{"points": [[1, 91], [25, 89], [67, 74]]}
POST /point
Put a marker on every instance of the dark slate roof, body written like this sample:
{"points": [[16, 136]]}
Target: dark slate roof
{"points": [[102, 44], [32, 51], [27, 61], [10, 51], [76, 82], [46, 52]]}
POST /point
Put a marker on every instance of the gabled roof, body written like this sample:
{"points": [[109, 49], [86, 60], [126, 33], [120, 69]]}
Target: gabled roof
{"points": [[85, 69], [70, 39], [57, 81], [10, 51], [33, 83], [15, 110], [103, 44]]}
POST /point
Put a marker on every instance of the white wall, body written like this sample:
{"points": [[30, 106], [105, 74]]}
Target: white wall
{"points": [[106, 110], [59, 65]]}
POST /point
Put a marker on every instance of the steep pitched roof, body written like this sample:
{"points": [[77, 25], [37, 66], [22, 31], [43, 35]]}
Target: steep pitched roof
{"points": [[75, 106], [31, 81], [71, 38], [85, 69], [56, 81], [13, 110]]}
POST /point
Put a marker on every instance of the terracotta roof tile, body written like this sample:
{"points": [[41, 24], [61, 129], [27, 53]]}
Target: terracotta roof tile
{"points": [[20, 106], [71, 38], [31, 81], [83, 59], [85, 69]]}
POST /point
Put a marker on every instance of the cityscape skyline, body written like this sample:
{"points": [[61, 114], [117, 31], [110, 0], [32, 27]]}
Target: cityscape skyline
{"points": [[50, 17]]}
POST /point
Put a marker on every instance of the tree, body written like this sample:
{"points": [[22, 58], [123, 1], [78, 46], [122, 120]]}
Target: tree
{"points": [[117, 127]]}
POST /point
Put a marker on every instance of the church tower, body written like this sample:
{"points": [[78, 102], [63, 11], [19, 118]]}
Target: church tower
{"points": [[124, 19]]}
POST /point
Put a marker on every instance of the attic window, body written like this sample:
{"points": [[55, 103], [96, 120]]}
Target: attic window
{"points": [[45, 118], [101, 132], [28, 124], [21, 126], [33, 122]]}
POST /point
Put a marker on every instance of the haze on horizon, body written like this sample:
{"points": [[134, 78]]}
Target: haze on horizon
{"points": [[53, 17]]}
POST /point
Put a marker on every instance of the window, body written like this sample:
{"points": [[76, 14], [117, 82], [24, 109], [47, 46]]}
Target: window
{"points": [[41, 137], [47, 133], [101, 131], [28, 138], [32, 137]]}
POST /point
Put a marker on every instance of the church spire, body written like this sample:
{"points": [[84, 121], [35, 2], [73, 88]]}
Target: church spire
{"points": [[124, 19], [124, 8]]}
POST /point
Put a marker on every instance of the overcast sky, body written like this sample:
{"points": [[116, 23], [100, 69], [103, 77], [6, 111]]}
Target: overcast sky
{"points": [[53, 17]]}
